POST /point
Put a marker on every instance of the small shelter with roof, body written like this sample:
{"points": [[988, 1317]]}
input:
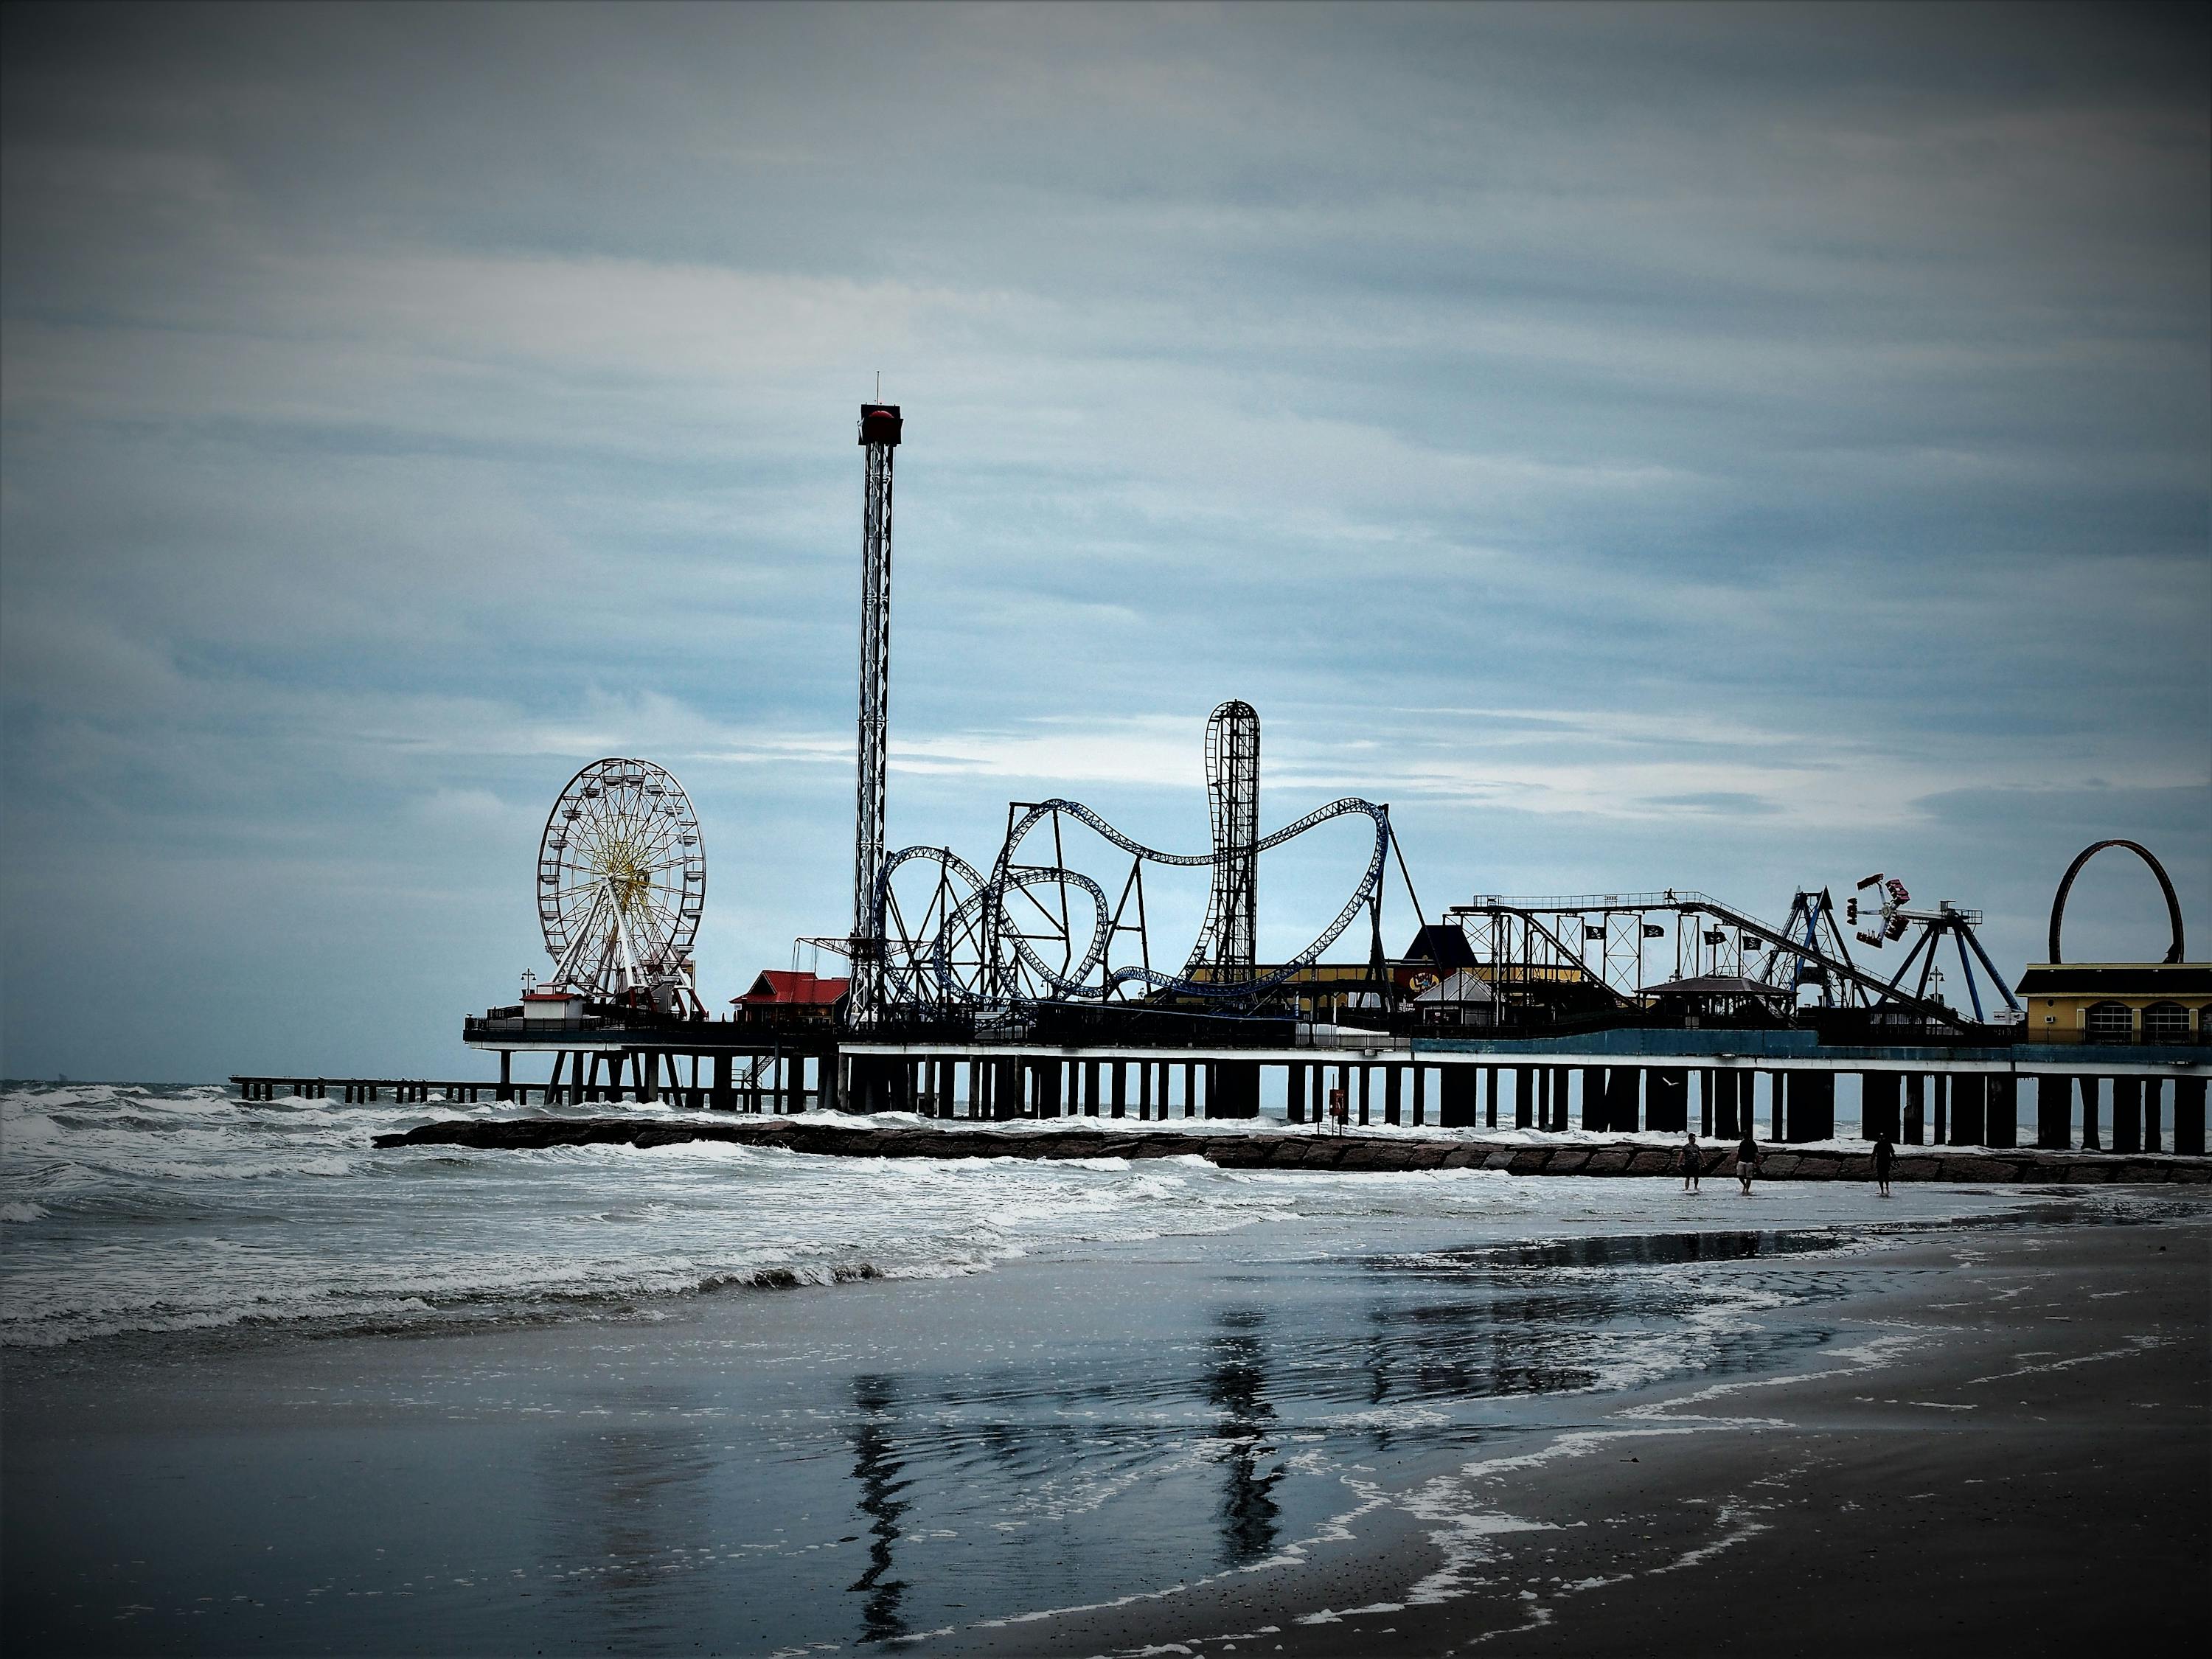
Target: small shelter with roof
{"points": [[1722, 999], [782, 995]]}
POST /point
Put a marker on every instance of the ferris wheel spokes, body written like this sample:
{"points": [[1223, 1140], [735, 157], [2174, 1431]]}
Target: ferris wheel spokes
{"points": [[621, 882]]}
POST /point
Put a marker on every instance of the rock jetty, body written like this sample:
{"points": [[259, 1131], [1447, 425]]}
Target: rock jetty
{"points": [[1293, 1150]]}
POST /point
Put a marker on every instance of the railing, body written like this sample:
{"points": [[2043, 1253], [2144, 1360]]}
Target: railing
{"points": [[2185, 1037], [1562, 904], [1362, 1039]]}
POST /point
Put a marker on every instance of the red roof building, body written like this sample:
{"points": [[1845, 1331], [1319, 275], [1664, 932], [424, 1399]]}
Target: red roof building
{"points": [[777, 988]]}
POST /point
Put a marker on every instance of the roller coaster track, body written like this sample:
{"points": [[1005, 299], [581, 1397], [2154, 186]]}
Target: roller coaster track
{"points": [[981, 915], [1881, 994]]}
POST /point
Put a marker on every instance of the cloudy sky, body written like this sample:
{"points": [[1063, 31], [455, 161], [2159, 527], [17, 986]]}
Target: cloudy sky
{"points": [[1719, 448]]}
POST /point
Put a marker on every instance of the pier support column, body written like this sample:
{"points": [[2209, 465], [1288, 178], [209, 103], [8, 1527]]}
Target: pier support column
{"points": [[1813, 1106], [1489, 1074], [2054, 1117], [1392, 1080], [2092, 1134], [1294, 1092], [1593, 1101], [1559, 1094], [1232, 1088], [505, 1074], [1192, 1105], [1456, 1089], [1120, 1088], [1048, 1073], [1721, 1091], [723, 1099], [1881, 1097], [1524, 1097], [2127, 1115], [1916, 1111], [1621, 1087], [1005, 1089], [2153, 1089], [1942, 1090], [2189, 1116], [1366, 1093], [2001, 1111], [1091, 1088], [1969, 1108], [1421, 1096], [1666, 1099]]}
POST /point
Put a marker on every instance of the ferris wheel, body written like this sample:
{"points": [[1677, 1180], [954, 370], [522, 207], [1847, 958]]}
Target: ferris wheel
{"points": [[621, 879]]}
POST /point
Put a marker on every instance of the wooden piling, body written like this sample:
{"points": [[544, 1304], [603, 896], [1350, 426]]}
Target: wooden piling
{"points": [[2189, 1116], [2127, 1115]]}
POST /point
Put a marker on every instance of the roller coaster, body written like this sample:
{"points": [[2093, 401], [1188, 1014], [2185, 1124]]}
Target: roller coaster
{"points": [[967, 943]]}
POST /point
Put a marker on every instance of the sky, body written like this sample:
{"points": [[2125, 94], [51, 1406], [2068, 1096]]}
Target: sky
{"points": [[1731, 449]]}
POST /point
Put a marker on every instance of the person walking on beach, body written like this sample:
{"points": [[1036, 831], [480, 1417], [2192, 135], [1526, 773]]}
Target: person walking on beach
{"points": [[1747, 1161], [1884, 1154], [1692, 1161]]}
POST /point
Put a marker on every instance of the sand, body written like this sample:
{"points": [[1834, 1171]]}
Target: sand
{"points": [[2006, 1451], [1991, 1438]]}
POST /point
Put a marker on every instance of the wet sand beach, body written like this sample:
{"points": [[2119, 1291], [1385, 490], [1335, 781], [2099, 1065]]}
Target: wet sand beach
{"points": [[2005, 1448], [282, 1391]]}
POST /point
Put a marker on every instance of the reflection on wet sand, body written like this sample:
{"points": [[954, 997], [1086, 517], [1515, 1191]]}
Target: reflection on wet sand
{"points": [[957, 1475], [1236, 1385], [878, 1468], [639, 1499]]}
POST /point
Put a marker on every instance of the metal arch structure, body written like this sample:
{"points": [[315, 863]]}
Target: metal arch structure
{"points": [[621, 882], [1227, 948], [2174, 952], [973, 943], [881, 430]]}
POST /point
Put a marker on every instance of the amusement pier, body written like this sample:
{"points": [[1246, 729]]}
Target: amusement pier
{"points": [[1024, 985]]}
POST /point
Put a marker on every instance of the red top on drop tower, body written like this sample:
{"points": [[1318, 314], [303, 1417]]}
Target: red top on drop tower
{"points": [[879, 424]]}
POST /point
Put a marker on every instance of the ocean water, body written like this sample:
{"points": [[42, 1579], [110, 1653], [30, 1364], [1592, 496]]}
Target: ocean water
{"points": [[135, 1209], [269, 1387]]}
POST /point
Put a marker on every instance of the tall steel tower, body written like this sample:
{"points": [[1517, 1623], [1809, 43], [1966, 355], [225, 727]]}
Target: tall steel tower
{"points": [[1228, 945], [880, 435]]}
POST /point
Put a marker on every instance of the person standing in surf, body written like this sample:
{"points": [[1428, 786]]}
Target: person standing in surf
{"points": [[1692, 1161], [1747, 1161], [1884, 1154]]}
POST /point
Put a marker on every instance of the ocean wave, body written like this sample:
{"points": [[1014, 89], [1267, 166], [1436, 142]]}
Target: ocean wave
{"points": [[181, 1209]]}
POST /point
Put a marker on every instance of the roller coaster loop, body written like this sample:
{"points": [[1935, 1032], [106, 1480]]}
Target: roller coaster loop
{"points": [[970, 955]]}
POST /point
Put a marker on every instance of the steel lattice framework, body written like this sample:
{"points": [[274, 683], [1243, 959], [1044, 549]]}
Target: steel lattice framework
{"points": [[1528, 943], [978, 942], [880, 428], [621, 882], [1228, 945]]}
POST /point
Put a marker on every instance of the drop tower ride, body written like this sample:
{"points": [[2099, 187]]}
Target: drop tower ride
{"points": [[880, 426]]}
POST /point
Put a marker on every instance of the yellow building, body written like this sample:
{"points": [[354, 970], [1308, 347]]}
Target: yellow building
{"points": [[2143, 1002]]}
